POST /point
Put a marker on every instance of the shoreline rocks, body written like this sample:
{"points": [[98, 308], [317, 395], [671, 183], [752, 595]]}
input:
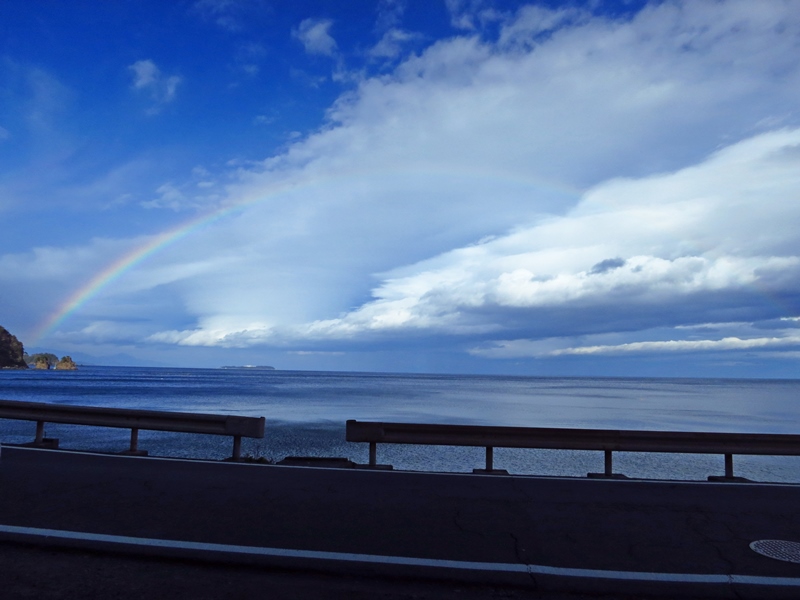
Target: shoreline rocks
{"points": [[66, 364]]}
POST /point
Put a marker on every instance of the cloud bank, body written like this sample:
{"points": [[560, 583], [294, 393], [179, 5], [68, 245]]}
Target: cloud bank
{"points": [[515, 194]]}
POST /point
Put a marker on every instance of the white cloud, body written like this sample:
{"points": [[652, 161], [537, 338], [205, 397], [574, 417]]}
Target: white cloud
{"points": [[469, 15], [536, 187], [169, 196], [765, 338], [524, 348], [147, 77], [36, 104], [675, 239], [315, 36], [145, 74], [224, 13], [391, 43], [390, 13], [731, 343], [223, 333], [187, 196], [201, 192], [249, 57], [312, 81], [533, 21], [722, 226]]}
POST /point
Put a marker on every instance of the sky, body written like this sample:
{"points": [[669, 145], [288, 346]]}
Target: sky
{"points": [[598, 188]]}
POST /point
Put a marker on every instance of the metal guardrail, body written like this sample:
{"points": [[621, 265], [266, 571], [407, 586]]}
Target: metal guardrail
{"points": [[132, 419], [605, 440]]}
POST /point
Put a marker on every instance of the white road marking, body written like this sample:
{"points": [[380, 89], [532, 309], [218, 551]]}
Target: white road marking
{"points": [[256, 551]]}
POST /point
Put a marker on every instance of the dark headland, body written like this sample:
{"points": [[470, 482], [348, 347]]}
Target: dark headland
{"points": [[11, 351]]}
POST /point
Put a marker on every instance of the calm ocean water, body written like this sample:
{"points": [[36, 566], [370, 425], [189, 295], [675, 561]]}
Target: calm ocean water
{"points": [[306, 412]]}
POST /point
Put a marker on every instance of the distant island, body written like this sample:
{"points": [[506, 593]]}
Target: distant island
{"points": [[47, 360], [259, 367]]}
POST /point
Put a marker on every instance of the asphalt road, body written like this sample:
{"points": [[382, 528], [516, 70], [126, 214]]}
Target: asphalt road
{"points": [[327, 533]]}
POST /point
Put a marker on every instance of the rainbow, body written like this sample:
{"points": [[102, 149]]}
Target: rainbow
{"points": [[113, 271], [125, 263]]}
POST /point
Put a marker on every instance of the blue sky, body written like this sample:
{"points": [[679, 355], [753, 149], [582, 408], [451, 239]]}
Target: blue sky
{"points": [[470, 186]]}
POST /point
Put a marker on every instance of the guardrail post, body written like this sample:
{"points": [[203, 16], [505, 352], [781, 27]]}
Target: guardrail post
{"points": [[729, 466], [39, 432], [609, 467], [373, 454], [134, 440], [489, 458], [237, 447]]}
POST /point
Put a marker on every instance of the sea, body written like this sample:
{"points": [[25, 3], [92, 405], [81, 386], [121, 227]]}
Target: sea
{"points": [[306, 413]]}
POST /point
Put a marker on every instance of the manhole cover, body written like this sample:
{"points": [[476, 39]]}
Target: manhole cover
{"points": [[778, 549]]}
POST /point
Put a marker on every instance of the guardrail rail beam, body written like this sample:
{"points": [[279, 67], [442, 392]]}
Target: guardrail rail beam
{"points": [[133, 419], [607, 441]]}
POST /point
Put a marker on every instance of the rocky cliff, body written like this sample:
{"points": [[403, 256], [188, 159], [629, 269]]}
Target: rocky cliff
{"points": [[11, 351]]}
